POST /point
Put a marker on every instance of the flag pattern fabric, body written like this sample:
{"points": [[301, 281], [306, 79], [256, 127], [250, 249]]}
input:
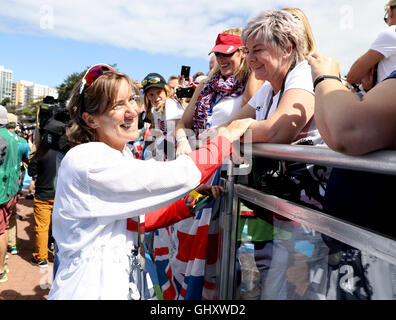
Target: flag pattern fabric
{"points": [[216, 88], [186, 264]]}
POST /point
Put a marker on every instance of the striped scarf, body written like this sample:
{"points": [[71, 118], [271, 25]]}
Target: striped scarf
{"points": [[231, 87]]}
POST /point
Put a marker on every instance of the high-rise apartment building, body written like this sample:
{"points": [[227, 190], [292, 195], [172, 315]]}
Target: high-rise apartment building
{"points": [[5, 83], [20, 92], [26, 92]]}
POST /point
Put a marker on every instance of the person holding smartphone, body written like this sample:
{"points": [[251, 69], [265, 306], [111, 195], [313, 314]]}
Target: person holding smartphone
{"points": [[215, 101]]}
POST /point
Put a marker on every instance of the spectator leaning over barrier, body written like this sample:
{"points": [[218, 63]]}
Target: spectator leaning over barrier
{"points": [[283, 107], [380, 60], [9, 177], [215, 101], [219, 97], [355, 126], [100, 185]]}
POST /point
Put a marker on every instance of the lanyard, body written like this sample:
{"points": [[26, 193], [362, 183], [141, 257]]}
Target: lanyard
{"points": [[280, 95]]}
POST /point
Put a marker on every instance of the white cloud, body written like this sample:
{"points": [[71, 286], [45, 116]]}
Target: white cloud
{"points": [[344, 29]]}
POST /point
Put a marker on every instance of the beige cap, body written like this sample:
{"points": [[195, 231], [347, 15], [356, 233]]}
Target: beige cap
{"points": [[12, 118]]}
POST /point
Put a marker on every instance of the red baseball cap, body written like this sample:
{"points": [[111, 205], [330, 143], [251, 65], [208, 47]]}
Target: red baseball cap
{"points": [[227, 43]]}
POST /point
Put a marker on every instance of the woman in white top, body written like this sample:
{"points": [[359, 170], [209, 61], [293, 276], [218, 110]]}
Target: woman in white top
{"points": [[215, 101], [219, 97], [161, 107], [164, 111], [100, 185], [276, 43], [382, 53]]}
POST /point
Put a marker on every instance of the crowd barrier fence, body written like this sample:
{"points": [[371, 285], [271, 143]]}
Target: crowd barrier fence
{"points": [[383, 162]]}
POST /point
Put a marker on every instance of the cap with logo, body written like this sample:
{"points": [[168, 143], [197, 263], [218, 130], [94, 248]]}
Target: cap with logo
{"points": [[227, 43], [153, 80]]}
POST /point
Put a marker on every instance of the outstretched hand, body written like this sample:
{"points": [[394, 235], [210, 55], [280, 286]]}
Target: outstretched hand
{"points": [[236, 129], [216, 191]]}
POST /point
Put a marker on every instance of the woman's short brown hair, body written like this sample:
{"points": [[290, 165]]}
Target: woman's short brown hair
{"points": [[95, 99]]}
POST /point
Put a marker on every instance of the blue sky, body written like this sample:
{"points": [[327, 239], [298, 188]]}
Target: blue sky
{"points": [[48, 60], [45, 41]]}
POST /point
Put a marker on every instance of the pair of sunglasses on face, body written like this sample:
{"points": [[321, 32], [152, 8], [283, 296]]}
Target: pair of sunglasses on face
{"points": [[228, 55], [224, 55], [95, 72]]}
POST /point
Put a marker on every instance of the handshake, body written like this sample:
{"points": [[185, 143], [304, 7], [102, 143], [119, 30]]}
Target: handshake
{"points": [[233, 132]]}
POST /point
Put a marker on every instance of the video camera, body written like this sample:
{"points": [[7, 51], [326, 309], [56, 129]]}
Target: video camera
{"points": [[24, 128], [53, 118]]}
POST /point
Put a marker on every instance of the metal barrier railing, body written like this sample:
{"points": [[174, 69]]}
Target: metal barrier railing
{"points": [[383, 162]]}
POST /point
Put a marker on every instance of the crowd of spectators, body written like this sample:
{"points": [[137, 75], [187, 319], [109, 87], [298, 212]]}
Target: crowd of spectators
{"points": [[137, 146]]}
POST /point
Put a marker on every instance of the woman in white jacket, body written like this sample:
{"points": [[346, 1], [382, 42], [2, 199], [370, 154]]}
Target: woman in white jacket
{"points": [[100, 185]]}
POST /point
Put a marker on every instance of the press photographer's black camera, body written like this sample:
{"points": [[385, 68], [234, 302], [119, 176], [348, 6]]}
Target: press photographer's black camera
{"points": [[25, 128], [52, 121], [184, 92]]}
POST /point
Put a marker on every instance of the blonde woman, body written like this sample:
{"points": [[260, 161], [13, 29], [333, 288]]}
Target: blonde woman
{"points": [[219, 97], [310, 42]]}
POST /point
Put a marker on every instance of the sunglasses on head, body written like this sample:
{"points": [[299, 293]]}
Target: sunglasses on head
{"points": [[151, 80], [94, 73]]}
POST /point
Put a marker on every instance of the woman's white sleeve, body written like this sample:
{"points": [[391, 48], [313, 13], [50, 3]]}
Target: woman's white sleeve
{"points": [[117, 186]]}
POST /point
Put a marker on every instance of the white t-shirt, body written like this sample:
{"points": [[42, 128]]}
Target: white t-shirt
{"points": [[93, 200], [225, 109], [386, 45], [173, 111], [298, 78]]}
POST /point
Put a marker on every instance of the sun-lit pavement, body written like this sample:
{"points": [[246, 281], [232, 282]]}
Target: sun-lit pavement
{"points": [[25, 281]]}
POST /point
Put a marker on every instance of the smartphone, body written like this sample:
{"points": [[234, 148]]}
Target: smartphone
{"points": [[184, 92], [185, 71]]}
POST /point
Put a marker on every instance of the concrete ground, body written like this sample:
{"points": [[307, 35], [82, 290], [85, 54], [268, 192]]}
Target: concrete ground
{"points": [[25, 281]]}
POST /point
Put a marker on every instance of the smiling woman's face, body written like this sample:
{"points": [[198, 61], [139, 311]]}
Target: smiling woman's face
{"points": [[229, 65], [265, 61], [119, 124]]}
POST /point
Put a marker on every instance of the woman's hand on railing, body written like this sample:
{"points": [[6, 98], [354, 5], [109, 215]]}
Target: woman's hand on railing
{"points": [[235, 129]]}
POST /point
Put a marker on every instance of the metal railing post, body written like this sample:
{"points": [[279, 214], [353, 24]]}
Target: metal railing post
{"points": [[226, 221]]}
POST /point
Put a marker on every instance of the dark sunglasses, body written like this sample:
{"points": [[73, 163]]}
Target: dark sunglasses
{"points": [[94, 73], [224, 55]]}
